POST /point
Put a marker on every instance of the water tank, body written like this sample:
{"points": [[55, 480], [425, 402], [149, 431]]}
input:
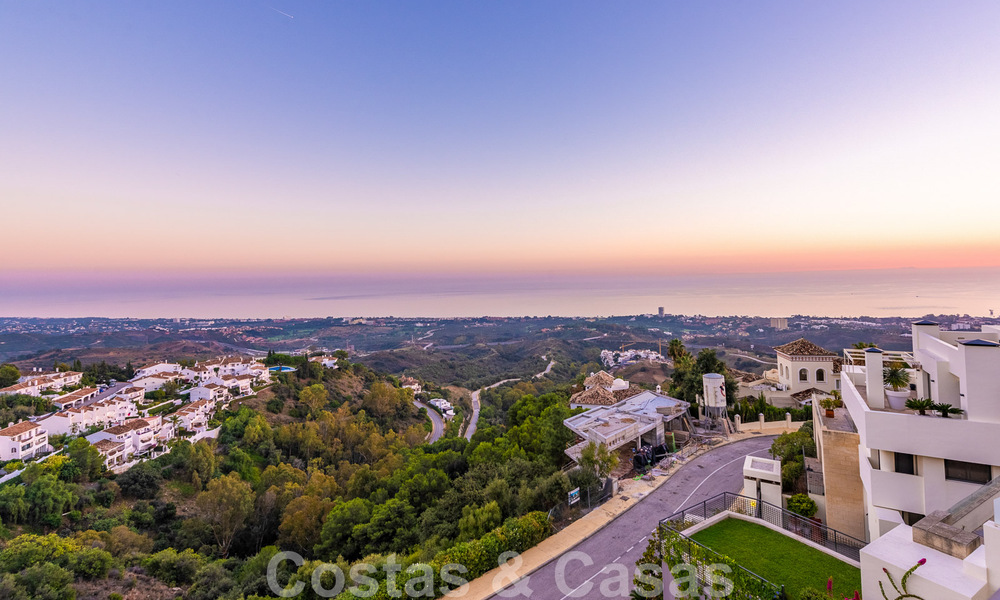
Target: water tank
{"points": [[714, 388]]}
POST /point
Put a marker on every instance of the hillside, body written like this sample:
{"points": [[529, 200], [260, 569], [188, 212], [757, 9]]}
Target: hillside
{"points": [[138, 354]]}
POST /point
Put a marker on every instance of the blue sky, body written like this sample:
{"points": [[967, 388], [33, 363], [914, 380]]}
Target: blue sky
{"points": [[500, 136]]}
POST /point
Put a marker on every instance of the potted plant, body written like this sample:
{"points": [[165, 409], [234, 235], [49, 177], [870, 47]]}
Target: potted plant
{"points": [[947, 410], [828, 404], [897, 378], [922, 405]]}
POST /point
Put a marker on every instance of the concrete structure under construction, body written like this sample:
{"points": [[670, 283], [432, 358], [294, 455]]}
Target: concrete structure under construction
{"points": [[643, 418]]}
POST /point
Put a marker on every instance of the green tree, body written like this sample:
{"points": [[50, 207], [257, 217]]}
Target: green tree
{"points": [[141, 481], [802, 504], [313, 396], [598, 459], [86, 459], [13, 506], [338, 534], [47, 499], [302, 522], [476, 521], [225, 505], [9, 374]]}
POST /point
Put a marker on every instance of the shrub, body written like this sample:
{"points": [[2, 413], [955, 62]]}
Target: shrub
{"points": [[91, 563], [114, 596], [172, 567], [47, 581], [29, 549], [802, 504]]}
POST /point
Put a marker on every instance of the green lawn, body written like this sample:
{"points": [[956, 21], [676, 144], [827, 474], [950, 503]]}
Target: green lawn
{"points": [[779, 559]]}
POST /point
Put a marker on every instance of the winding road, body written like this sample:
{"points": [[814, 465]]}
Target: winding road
{"points": [[547, 370], [475, 406], [437, 422], [623, 540]]}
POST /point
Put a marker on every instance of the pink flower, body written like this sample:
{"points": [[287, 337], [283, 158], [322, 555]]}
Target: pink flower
{"points": [[829, 584], [922, 561]]}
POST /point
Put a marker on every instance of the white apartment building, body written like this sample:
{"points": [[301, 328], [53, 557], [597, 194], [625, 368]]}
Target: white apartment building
{"points": [[114, 452], [155, 369], [132, 393], [30, 387], [22, 440], [104, 413], [195, 416], [210, 391], [153, 382], [137, 435], [913, 465], [35, 383], [74, 399]]}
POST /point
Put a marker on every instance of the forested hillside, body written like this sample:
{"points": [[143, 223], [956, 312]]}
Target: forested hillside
{"points": [[333, 466]]}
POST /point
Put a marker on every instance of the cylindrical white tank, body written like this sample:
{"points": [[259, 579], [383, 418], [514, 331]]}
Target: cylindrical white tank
{"points": [[714, 388]]}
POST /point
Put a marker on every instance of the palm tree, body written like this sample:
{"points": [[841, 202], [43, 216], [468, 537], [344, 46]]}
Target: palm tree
{"points": [[896, 377], [676, 349], [947, 410], [922, 405]]}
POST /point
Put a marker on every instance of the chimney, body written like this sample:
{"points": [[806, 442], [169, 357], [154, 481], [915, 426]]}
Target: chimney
{"points": [[873, 378]]}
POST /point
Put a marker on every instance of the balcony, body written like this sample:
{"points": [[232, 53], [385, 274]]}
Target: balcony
{"points": [[905, 431], [898, 491]]}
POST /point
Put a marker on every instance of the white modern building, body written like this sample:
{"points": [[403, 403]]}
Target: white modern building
{"points": [[912, 465], [644, 417]]}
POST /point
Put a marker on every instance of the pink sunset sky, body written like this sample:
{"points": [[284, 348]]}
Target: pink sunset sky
{"points": [[471, 138]]}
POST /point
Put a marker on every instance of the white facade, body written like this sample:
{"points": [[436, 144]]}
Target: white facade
{"points": [[22, 440], [913, 465], [195, 416], [105, 413], [803, 365], [156, 368], [138, 435]]}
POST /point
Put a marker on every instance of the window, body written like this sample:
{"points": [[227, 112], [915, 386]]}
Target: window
{"points": [[803, 375], [820, 375], [957, 470], [906, 463]]}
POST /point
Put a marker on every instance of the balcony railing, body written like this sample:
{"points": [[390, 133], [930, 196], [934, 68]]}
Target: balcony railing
{"points": [[856, 356]]}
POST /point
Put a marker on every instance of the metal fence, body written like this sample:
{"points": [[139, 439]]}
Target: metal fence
{"points": [[839, 542], [590, 498], [747, 585]]}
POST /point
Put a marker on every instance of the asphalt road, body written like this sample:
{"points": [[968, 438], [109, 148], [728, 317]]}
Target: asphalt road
{"points": [[475, 407], [623, 541], [437, 423]]}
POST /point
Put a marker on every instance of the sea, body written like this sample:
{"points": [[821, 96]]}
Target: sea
{"points": [[875, 293]]}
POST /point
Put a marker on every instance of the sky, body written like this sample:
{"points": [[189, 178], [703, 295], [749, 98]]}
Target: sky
{"points": [[543, 138]]}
